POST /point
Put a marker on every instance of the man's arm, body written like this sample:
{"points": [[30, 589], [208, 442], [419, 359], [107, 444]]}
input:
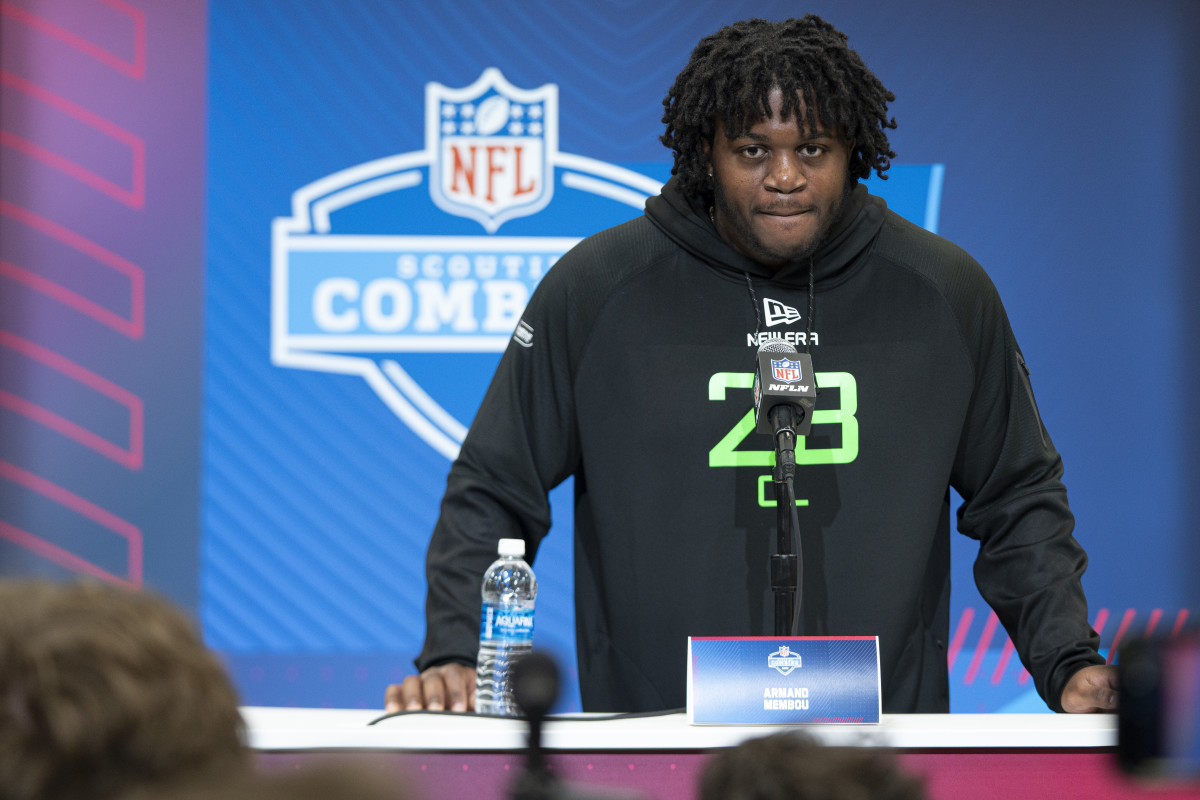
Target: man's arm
{"points": [[1030, 565], [521, 444]]}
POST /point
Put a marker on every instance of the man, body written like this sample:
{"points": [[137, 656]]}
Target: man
{"points": [[110, 693], [636, 381]]}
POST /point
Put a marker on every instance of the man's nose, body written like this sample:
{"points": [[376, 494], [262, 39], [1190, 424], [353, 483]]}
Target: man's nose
{"points": [[785, 174]]}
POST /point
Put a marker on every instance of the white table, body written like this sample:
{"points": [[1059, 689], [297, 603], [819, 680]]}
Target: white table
{"points": [[283, 729], [962, 756]]}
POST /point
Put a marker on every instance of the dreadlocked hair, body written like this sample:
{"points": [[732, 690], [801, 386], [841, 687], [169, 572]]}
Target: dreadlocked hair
{"points": [[730, 77]]}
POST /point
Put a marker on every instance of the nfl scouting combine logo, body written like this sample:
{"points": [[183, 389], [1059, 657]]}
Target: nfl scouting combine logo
{"points": [[784, 660], [372, 276]]}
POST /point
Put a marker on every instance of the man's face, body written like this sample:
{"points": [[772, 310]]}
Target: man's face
{"points": [[778, 189]]}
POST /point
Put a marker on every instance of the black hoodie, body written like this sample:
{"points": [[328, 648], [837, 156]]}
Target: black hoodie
{"points": [[636, 380]]}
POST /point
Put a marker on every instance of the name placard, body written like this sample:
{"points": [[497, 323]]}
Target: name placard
{"points": [[777, 680]]}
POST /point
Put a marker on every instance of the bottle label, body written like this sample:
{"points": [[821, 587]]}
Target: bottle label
{"points": [[504, 623]]}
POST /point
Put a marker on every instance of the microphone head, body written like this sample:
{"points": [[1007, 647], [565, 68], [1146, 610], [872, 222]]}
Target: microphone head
{"points": [[784, 376], [535, 684], [776, 346]]}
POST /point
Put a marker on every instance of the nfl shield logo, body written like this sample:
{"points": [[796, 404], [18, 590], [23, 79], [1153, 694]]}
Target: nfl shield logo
{"points": [[785, 370], [494, 143]]}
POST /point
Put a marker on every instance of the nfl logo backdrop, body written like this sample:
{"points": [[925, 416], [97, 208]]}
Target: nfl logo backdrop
{"points": [[365, 280]]}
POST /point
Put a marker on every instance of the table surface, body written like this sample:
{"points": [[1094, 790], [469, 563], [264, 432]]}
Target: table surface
{"points": [[287, 729]]}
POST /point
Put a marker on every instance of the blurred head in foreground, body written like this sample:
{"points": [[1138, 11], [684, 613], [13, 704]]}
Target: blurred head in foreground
{"points": [[108, 692], [794, 766]]}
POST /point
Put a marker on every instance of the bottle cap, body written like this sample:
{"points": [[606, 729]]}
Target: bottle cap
{"points": [[511, 547]]}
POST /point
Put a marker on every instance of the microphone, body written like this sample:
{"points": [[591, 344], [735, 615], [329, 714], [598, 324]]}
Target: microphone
{"points": [[785, 393], [535, 684], [535, 688], [785, 389]]}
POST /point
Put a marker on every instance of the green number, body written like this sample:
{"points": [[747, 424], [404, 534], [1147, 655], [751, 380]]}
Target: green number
{"points": [[843, 415], [726, 454], [763, 502]]}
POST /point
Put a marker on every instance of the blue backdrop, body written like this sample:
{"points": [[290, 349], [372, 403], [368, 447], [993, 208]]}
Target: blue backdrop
{"points": [[341, 363]]}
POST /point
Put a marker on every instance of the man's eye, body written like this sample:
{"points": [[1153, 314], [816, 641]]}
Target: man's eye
{"points": [[753, 151], [811, 150]]}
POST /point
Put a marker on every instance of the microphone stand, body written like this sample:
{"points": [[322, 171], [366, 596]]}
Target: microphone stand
{"points": [[535, 688], [787, 568]]}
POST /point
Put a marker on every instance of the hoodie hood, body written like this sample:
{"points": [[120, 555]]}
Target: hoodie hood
{"points": [[690, 227]]}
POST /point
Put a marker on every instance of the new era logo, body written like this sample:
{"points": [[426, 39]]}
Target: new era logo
{"points": [[778, 313]]}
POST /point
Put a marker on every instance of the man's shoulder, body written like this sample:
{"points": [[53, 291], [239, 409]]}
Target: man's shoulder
{"points": [[909, 243], [612, 255], [954, 280], [585, 279], [932, 257]]}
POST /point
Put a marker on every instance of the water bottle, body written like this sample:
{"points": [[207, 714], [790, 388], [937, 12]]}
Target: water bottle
{"points": [[505, 627]]}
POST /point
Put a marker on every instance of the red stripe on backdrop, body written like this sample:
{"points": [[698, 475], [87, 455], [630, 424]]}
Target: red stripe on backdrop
{"points": [[130, 457], [134, 326], [85, 508], [1126, 619], [134, 196], [981, 647], [960, 635], [134, 69]]}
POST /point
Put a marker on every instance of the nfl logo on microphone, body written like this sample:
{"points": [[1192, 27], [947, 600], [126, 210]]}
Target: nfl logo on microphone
{"points": [[785, 370]]}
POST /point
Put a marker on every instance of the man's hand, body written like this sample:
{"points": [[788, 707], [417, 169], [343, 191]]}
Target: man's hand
{"points": [[448, 686], [1091, 689]]}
